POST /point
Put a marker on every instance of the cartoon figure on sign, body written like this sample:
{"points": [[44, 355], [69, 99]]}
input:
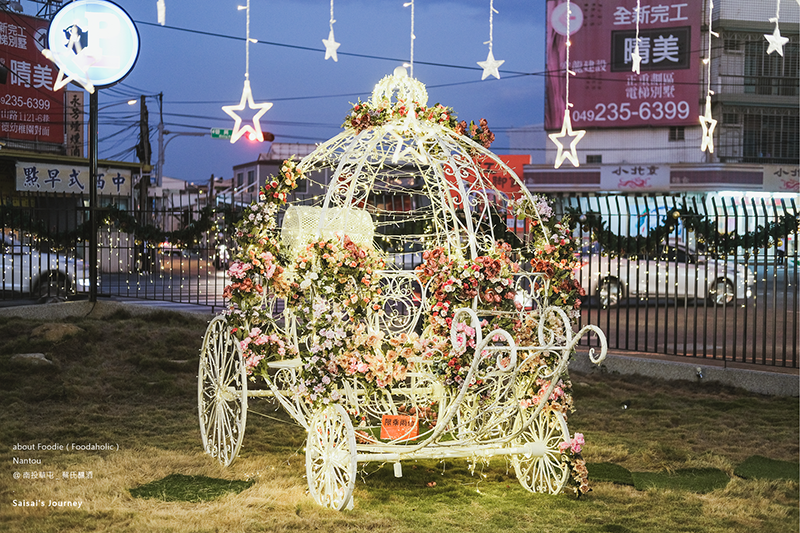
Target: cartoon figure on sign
{"points": [[77, 39]]}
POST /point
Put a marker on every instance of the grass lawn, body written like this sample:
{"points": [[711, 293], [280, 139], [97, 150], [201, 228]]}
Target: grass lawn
{"points": [[130, 382]]}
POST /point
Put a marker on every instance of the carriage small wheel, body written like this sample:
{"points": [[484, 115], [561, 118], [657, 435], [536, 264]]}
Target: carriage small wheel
{"points": [[542, 469], [331, 458], [221, 392]]}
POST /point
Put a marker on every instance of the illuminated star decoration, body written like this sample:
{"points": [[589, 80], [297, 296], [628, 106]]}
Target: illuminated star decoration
{"points": [[161, 8], [491, 64], [706, 120], [81, 58], [566, 131], [247, 96], [637, 59], [708, 123], [330, 46], [255, 129], [775, 39], [635, 56], [566, 124], [330, 43]]}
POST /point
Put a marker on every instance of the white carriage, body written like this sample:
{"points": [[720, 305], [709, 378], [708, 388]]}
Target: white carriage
{"points": [[484, 377]]}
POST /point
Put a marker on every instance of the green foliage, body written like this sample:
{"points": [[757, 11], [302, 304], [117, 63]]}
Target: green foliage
{"points": [[706, 230], [759, 467], [181, 488], [701, 480], [19, 218]]}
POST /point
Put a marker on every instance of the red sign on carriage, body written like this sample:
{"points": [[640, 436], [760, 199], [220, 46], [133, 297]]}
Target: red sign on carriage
{"points": [[399, 427]]}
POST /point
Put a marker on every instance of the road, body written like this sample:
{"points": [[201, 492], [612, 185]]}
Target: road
{"points": [[764, 329]]}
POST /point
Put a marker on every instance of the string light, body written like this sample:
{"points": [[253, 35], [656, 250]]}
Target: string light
{"points": [[707, 121], [491, 64], [411, 59], [775, 39], [247, 96], [161, 9], [566, 124], [330, 43], [635, 57]]}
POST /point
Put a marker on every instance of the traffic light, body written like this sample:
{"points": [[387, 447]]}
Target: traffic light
{"points": [[268, 137]]}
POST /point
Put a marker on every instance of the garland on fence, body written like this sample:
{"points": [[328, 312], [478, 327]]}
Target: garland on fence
{"points": [[706, 231], [19, 218]]}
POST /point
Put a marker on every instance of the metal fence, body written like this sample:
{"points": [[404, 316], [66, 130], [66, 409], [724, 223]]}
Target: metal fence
{"points": [[685, 276], [707, 278]]}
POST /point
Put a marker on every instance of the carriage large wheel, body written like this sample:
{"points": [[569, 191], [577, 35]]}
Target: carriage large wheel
{"points": [[331, 458], [542, 470], [222, 392]]}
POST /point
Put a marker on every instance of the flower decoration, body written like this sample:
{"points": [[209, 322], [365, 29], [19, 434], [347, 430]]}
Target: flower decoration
{"points": [[571, 455], [454, 283], [257, 271], [364, 116], [335, 290], [551, 250]]}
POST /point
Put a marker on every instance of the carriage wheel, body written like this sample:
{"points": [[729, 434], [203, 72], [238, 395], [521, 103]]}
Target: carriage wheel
{"points": [[221, 392], [542, 471], [331, 458]]}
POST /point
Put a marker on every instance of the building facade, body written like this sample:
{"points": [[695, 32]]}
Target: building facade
{"points": [[653, 144]]}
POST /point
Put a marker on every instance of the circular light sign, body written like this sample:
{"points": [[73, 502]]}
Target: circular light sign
{"points": [[558, 18], [95, 40]]}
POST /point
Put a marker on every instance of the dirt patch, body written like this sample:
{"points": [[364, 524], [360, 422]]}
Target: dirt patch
{"points": [[55, 332]]}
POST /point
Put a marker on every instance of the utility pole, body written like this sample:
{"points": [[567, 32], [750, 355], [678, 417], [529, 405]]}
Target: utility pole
{"points": [[143, 151], [160, 163]]}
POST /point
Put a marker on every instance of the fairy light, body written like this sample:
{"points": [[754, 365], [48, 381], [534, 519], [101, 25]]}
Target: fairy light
{"points": [[161, 9], [247, 96], [566, 124], [491, 64], [707, 121], [775, 39], [330, 43], [635, 57], [411, 59]]}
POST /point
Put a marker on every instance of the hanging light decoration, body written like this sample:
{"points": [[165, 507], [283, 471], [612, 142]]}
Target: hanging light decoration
{"points": [[491, 64], [247, 97], [566, 125], [330, 43]]}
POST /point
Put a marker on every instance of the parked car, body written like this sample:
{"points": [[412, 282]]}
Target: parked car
{"points": [[675, 271], [40, 274]]}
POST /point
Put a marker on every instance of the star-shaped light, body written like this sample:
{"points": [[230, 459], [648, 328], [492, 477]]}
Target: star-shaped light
{"points": [[708, 123], [331, 46], [62, 81], [490, 66], [776, 41], [161, 9], [637, 59], [566, 131], [255, 129]]}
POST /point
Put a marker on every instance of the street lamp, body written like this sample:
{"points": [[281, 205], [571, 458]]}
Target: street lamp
{"points": [[162, 145]]}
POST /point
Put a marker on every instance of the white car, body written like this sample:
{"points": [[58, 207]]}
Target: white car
{"points": [[675, 271], [42, 275]]}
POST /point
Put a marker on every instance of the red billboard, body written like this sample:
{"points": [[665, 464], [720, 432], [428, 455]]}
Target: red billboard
{"points": [[29, 109], [604, 91]]}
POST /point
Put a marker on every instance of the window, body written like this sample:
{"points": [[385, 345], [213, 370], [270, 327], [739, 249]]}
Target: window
{"points": [[251, 177], [731, 118], [677, 133], [594, 159], [733, 45], [240, 179], [771, 136], [771, 74]]}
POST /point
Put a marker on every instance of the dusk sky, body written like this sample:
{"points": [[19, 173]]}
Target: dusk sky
{"points": [[198, 62]]}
